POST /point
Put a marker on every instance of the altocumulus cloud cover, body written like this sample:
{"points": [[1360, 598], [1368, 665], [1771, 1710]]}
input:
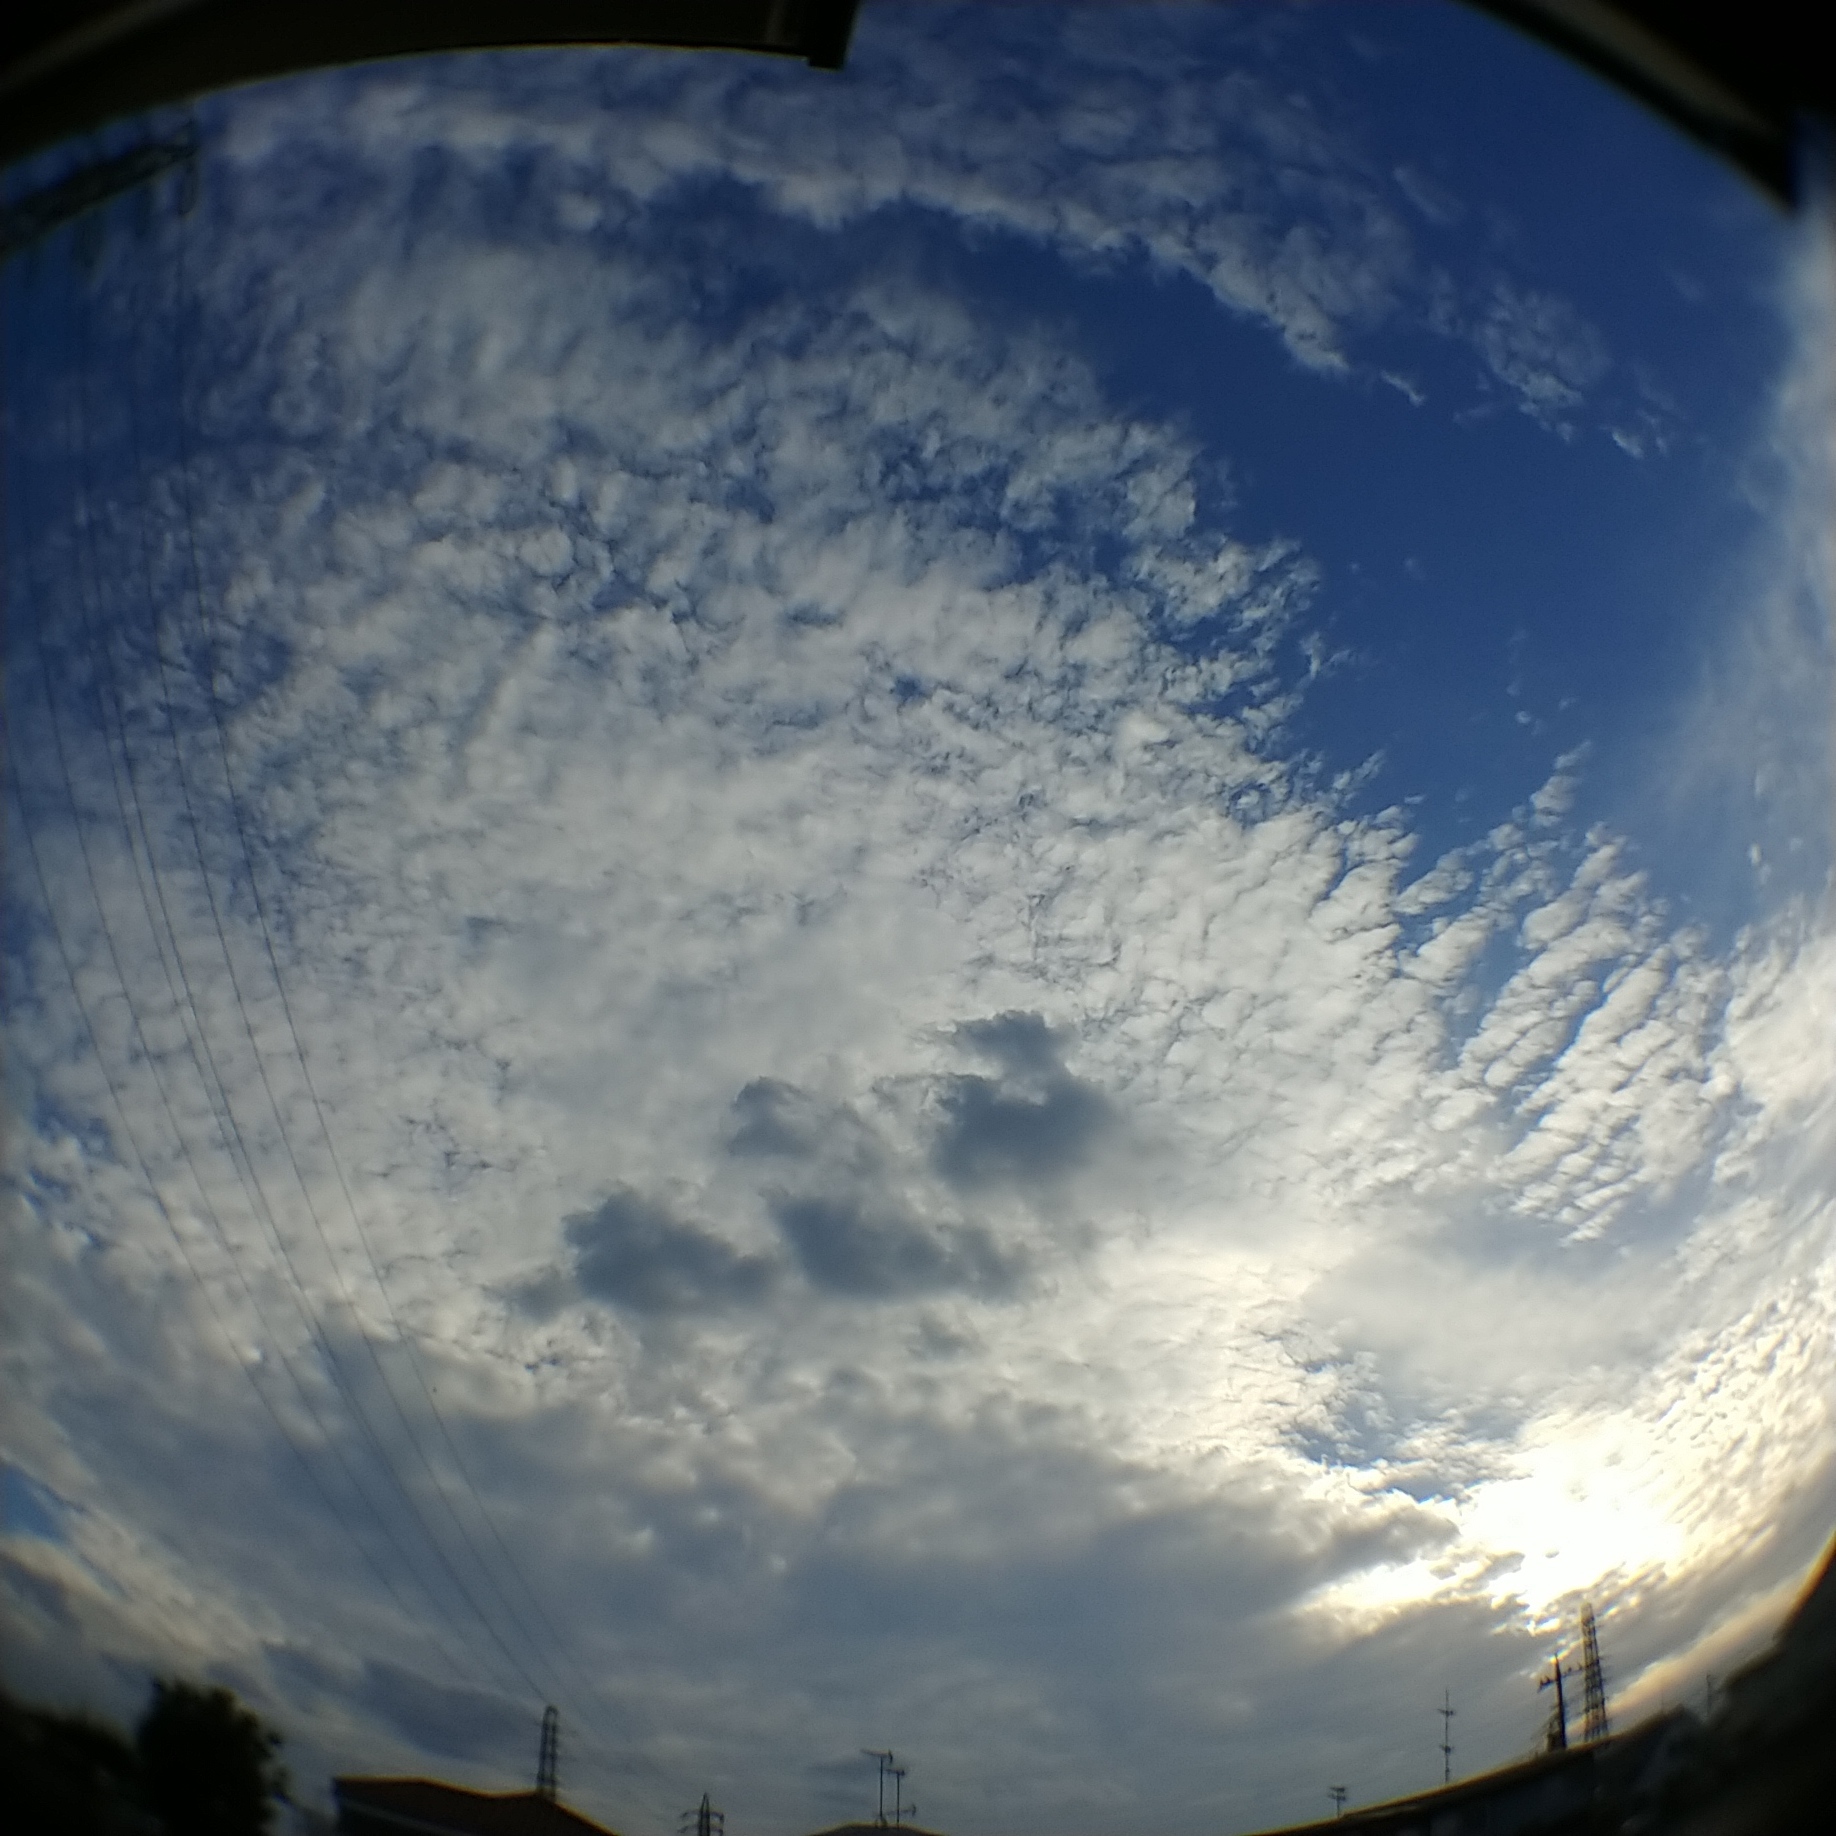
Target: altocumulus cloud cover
{"points": [[803, 947]]}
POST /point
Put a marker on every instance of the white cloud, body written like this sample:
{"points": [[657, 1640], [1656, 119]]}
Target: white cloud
{"points": [[1103, 142], [889, 1114], [1541, 348]]}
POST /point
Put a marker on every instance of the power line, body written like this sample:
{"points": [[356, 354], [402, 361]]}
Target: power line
{"points": [[42, 211], [61, 753], [196, 1033], [335, 1368], [340, 1376], [203, 1287], [251, 1179], [406, 1339]]}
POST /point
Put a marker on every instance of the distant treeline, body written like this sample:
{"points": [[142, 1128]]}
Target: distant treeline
{"points": [[198, 1764]]}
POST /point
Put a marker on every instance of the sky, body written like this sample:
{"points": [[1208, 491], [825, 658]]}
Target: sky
{"points": [[979, 908]]}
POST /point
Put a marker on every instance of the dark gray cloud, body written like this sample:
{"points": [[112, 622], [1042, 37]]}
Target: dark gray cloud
{"points": [[1059, 1588], [631, 1252], [1022, 1044], [31, 1589], [455, 1723], [1030, 1125], [302, 1678], [849, 1233], [777, 1120], [849, 1247]]}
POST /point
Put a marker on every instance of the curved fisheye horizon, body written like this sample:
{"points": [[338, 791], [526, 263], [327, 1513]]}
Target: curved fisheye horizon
{"points": [[954, 932]]}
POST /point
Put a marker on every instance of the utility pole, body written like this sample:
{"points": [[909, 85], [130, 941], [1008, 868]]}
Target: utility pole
{"points": [[708, 1821], [885, 1761], [1557, 1740], [1338, 1795], [1593, 1679], [548, 1761], [1447, 1712]]}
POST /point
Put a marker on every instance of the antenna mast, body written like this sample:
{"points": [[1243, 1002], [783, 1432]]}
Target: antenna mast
{"points": [[1447, 1712], [548, 1763], [885, 1762]]}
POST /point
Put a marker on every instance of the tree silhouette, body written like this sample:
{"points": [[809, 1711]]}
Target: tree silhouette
{"points": [[66, 1775], [207, 1765]]}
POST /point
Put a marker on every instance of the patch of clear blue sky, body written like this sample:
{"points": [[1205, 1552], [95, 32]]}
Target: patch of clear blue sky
{"points": [[1499, 594], [28, 1508], [1495, 594]]}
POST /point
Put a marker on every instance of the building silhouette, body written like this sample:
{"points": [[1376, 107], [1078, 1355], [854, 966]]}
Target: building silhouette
{"points": [[426, 1807]]}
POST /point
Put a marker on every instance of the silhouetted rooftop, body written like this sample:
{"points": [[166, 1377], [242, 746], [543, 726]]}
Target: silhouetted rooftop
{"points": [[1549, 1790], [434, 1809], [871, 1828]]}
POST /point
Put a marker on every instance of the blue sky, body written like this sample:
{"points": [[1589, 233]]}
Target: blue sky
{"points": [[980, 908]]}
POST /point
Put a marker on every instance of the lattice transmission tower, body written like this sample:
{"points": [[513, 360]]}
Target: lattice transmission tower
{"points": [[1593, 1681], [706, 1819]]}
